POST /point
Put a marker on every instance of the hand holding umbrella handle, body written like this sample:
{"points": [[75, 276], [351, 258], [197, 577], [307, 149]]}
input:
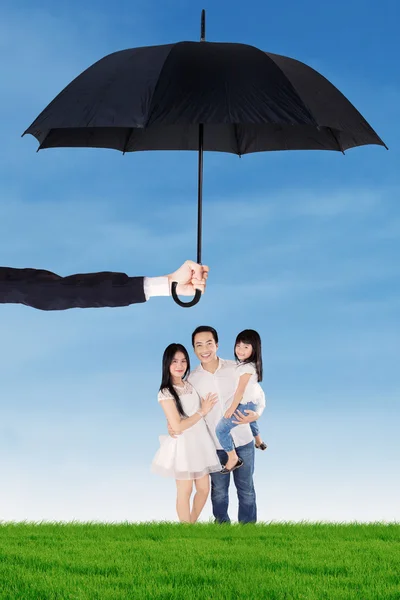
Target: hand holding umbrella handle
{"points": [[192, 302]]}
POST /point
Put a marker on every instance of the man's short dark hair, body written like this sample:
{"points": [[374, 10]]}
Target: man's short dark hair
{"points": [[205, 329]]}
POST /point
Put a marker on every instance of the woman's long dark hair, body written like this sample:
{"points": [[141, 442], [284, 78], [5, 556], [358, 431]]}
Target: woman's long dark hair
{"points": [[166, 381], [249, 336]]}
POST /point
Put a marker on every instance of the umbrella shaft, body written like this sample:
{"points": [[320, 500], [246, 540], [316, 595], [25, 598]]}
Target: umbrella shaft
{"points": [[201, 136], [200, 194]]}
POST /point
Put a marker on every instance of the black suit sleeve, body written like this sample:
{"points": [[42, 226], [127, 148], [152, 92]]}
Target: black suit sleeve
{"points": [[47, 291]]}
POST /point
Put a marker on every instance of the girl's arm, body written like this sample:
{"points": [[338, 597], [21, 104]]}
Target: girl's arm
{"points": [[243, 381]]}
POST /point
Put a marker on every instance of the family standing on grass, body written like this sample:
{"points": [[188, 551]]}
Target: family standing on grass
{"points": [[212, 415]]}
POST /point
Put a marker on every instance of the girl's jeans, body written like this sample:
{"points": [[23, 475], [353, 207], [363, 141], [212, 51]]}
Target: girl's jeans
{"points": [[223, 429]]}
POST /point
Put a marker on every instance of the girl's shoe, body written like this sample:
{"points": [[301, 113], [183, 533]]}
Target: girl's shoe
{"points": [[239, 463], [262, 446]]}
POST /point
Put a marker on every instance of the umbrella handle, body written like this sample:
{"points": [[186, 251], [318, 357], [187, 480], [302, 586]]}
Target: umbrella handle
{"points": [[192, 302]]}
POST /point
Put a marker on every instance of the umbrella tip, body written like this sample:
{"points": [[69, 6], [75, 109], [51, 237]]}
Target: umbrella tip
{"points": [[203, 26]]}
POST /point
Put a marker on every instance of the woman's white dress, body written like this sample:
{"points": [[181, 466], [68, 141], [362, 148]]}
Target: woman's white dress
{"points": [[191, 454]]}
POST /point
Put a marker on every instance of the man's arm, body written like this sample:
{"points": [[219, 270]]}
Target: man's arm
{"points": [[250, 417], [239, 393], [45, 290], [48, 291]]}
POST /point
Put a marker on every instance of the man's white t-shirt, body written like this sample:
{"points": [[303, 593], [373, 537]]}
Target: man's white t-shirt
{"points": [[224, 383]]}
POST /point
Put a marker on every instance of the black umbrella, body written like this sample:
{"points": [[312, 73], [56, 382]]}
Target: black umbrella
{"points": [[201, 96]]}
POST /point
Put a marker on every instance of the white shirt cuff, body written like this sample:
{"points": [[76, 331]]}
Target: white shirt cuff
{"points": [[156, 286]]}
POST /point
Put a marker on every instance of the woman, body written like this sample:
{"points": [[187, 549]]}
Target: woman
{"points": [[192, 456]]}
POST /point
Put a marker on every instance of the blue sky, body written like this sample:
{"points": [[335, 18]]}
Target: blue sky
{"points": [[303, 247]]}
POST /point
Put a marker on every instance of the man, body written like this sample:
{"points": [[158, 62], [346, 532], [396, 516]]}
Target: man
{"points": [[216, 375], [47, 291]]}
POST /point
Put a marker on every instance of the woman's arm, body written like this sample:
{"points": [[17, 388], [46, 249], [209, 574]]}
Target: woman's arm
{"points": [[177, 423], [243, 381]]}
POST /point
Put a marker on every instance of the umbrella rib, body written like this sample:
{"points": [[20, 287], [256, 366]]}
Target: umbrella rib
{"points": [[151, 107], [43, 141], [128, 137], [333, 134], [294, 87], [235, 130]]}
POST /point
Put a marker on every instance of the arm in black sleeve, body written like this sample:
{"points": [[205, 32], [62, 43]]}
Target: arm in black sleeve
{"points": [[47, 291]]}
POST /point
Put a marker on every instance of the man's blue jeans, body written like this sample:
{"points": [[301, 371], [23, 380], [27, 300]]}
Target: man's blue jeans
{"points": [[224, 427], [243, 479]]}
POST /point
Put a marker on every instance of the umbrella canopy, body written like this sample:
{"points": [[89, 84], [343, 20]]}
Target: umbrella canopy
{"points": [[154, 98], [201, 96]]}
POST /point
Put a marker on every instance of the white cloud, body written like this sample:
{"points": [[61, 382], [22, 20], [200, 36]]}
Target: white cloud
{"points": [[341, 202], [321, 466], [288, 202], [74, 233], [390, 230], [288, 284]]}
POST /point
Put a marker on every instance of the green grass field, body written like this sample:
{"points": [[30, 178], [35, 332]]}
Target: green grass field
{"points": [[203, 561]]}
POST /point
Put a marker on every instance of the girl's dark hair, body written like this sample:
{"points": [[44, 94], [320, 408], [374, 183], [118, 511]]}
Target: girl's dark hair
{"points": [[166, 380], [249, 336]]}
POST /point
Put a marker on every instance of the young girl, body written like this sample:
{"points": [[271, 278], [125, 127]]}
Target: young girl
{"points": [[248, 395], [189, 457]]}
